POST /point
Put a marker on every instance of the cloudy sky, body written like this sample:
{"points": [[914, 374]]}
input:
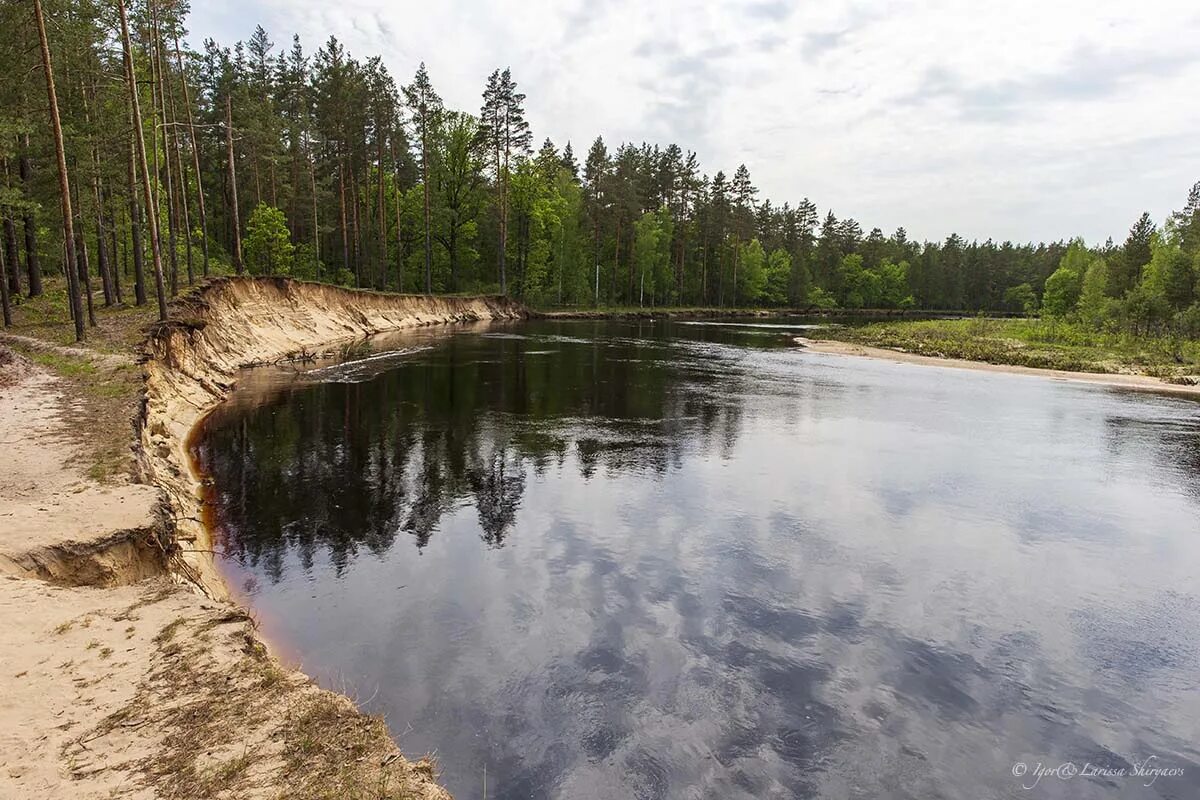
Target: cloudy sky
{"points": [[1020, 119]]}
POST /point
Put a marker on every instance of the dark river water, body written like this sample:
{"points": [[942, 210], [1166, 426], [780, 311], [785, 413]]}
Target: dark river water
{"points": [[670, 560]]}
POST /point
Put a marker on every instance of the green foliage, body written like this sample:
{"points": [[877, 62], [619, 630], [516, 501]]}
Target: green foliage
{"points": [[385, 186], [1044, 344], [778, 276], [752, 275], [268, 243], [819, 298], [1061, 294], [305, 264], [652, 247], [1021, 298], [883, 286], [1187, 322], [1143, 310], [1094, 303], [894, 289]]}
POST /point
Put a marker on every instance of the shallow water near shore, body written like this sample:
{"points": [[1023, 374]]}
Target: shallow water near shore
{"points": [[596, 559]]}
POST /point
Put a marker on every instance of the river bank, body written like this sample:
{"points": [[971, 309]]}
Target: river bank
{"points": [[702, 312], [131, 672], [1134, 382], [1050, 343]]}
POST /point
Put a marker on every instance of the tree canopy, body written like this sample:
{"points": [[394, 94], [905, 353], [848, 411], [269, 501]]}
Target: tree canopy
{"points": [[375, 183]]}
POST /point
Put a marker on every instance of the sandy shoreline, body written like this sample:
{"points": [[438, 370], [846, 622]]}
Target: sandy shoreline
{"points": [[1139, 383], [128, 670]]}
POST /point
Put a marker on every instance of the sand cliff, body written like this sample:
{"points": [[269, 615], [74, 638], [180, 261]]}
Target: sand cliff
{"points": [[132, 673], [191, 364]]}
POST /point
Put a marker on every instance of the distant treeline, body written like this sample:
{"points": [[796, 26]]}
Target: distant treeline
{"points": [[322, 166]]}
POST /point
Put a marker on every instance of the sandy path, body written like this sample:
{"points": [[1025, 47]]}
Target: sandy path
{"points": [[46, 502], [70, 656], [1142, 383]]}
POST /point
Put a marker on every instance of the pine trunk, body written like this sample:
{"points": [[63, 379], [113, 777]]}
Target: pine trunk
{"points": [[181, 199], [4, 301], [140, 141], [428, 239], [195, 146], [12, 282], [135, 216], [64, 183], [33, 267], [237, 225], [383, 246], [504, 229], [159, 103], [11, 252], [112, 244], [342, 209], [316, 229], [101, 256]]}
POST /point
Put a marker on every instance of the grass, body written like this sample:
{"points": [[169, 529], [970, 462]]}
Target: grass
{"points": [[46, 317], [1043, 344], [168, 632]]}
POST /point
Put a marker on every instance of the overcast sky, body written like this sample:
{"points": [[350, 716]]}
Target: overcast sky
{"points": [[1021, 119]]}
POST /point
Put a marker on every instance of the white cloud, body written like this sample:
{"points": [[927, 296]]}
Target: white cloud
{"points": [[1018, 120]]}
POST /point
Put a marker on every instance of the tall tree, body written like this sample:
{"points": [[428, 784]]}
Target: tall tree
{"points": [[459, 166], [64, 183], [139, 141], [233, 205], [4, 300], [425, 108], [594, 177], [503, 127], [32, 265], [194, 146]]}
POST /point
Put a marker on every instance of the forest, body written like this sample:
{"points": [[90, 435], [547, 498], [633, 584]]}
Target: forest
{"points": [[148, 166]]}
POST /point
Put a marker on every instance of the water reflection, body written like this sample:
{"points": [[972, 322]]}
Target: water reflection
{"points": [[642, 560]]}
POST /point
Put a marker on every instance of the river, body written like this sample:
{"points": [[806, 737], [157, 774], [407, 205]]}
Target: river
{"points": [[606, 559]]}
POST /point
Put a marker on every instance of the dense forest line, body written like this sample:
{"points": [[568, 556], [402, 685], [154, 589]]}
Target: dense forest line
{"points": [[269, 160]]}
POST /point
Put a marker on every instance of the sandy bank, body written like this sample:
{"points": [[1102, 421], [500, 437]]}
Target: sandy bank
{"points": [[1143, 383], [191, 364], [126, 671]]}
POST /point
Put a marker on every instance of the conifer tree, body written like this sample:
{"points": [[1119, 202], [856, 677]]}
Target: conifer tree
{"points": [[425, 107]]}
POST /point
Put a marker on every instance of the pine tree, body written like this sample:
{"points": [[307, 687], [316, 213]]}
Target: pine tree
{"points": [[568, 161], [64, 183], [594, 178], [503, 127], [1135, 255], [425, 107], [140, 143]]}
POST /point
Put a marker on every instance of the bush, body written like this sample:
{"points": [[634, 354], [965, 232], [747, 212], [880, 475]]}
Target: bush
{"points": [[819, 298], [269, 246]]}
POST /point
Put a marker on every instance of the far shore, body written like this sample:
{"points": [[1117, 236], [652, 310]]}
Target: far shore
{"points": [[1134, 382]]}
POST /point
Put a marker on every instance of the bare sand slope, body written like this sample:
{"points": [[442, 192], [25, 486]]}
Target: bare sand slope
{"points": [[55, 523], [191, 364]]}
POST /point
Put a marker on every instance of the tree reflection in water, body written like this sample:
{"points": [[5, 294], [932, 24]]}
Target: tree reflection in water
{"points": [[342, 466]]}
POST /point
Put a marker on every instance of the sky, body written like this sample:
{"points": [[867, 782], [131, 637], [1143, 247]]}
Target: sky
{"points": [[1027, 120]]}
